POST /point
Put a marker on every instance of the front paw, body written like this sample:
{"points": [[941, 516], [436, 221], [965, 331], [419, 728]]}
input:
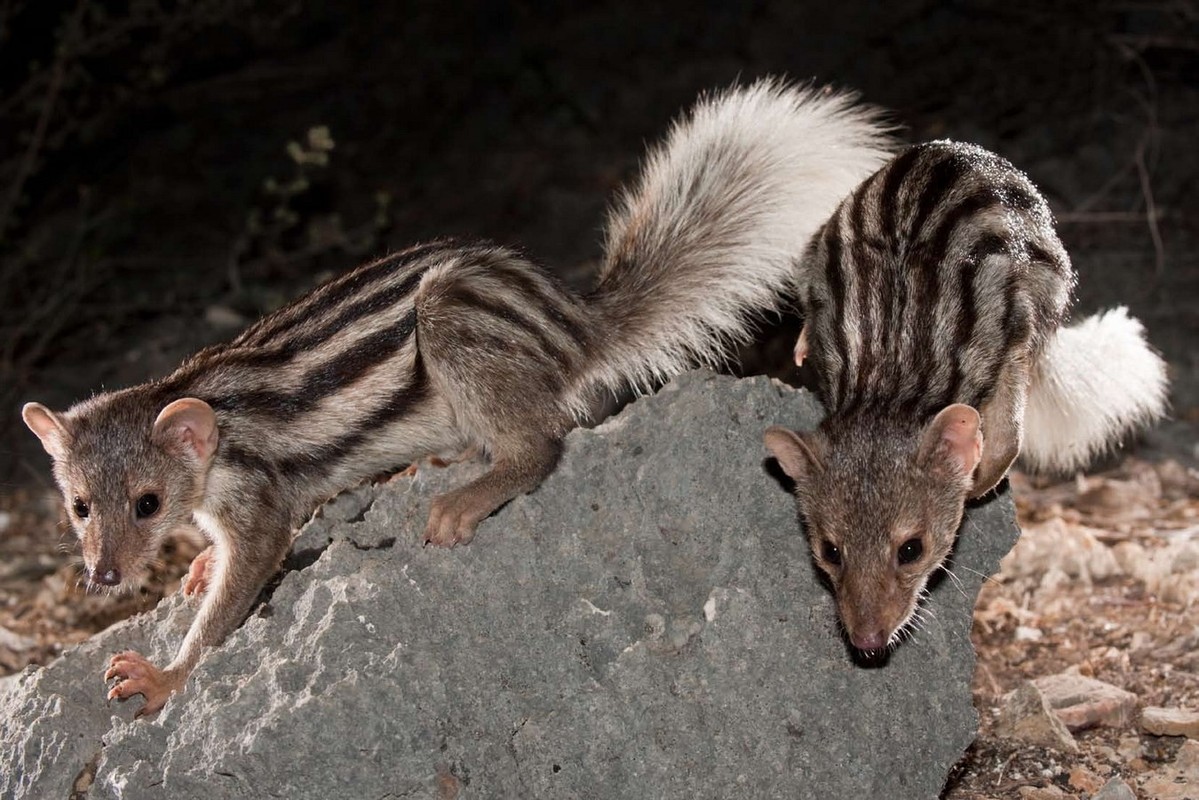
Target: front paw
{"points": [[135, 675], [199, 573], [451, 521]]}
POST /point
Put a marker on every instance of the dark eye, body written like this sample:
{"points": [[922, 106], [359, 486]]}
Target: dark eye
{"points": [[147, 504], [80, 508], [910, 551], [831, 553]]}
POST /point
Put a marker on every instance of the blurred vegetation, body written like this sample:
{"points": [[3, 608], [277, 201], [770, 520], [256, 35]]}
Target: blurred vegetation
{"points": [[282, 229], [82, 84], [76, 76]]}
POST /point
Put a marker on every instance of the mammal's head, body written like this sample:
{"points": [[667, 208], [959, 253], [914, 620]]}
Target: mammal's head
{"points": [[129, 475], [882, 502]]}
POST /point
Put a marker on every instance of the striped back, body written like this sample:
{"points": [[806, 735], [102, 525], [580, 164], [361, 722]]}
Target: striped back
{"points": [[935, 270]]}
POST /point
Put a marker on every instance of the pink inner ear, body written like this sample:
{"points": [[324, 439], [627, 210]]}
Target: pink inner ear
{"points": [[797, 454], [959, 438], [48, 427], [953, 440], [191, 423]]}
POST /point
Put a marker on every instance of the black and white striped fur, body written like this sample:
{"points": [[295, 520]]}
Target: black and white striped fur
{"points": [[445, 348], [933, 302]]}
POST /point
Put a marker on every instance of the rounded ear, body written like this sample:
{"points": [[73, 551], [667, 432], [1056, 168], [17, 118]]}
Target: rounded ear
{"points": [[49, 427], [799, 454], [190, 424], [953, 441]]}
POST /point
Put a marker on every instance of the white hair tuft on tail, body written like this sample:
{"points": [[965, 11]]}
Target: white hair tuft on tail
{"points": [[1095, 383]]}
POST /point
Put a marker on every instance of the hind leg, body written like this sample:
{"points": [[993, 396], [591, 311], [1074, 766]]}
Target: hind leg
{"points": [[516, 420], [515, 469], [1003, 428], [501, 342]]}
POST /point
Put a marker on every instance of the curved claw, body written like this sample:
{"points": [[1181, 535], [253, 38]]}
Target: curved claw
{"points": [[449, 523], [136, 675]]}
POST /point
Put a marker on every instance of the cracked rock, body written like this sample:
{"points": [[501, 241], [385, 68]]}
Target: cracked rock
{"points": [[1028, 717], [1081, 702], [647, 623]]}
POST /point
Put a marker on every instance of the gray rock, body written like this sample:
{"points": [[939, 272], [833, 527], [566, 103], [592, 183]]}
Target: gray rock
{"points": [[1081, 702], [1170, 721], [1028, 717], [646, 624], [1115, 789]]}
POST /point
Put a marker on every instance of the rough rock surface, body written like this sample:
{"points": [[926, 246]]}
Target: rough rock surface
{"points": [[1170, 722], [1027, 716], [646, 624], [1081, 702], [1115, 789]]}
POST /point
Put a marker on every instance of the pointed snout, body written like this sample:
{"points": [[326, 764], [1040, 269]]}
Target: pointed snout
{"points": [[872, 607], [870, 640]]}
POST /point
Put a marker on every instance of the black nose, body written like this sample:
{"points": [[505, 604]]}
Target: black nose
{"points": [[108, 577]]}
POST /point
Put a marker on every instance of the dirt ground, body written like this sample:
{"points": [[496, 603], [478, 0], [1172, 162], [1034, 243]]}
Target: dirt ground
{"points": [[168, 174], [1104, 581]]}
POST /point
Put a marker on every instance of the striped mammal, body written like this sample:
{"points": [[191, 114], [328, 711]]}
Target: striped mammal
{"points": [[446, 347], [933, 304]]}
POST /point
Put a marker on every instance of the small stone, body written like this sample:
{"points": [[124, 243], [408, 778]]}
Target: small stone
{"points": [[1043, 793], [1084, 780], [1083, 703], [1027, 717], [1027, 633], [1170, 722], [1188, 757], [1129, 747], [15, 641], [1115, 789], [1176, 479]]}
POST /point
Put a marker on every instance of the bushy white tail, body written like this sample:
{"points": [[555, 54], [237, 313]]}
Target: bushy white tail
{"points": [[1095, 383], [707, 238]]}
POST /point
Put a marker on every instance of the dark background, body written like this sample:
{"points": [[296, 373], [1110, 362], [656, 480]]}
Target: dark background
{"points": [[149, 203]]}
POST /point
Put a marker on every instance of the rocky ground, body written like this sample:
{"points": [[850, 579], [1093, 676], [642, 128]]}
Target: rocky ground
{"points": [[1096, 606], [624, 631]]}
